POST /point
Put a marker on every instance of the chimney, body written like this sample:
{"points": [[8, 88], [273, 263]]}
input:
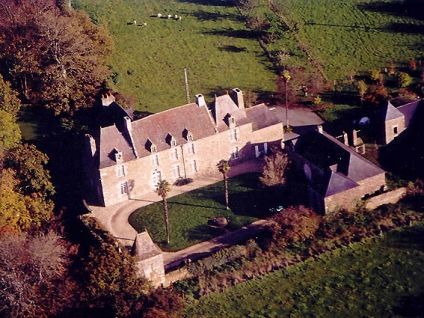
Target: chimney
{"points": [[355, 141], [320, 130], [107, 99], [91, 144], [237, 97], [345, 139], [128, 128], [128, 124], [200, 100]]}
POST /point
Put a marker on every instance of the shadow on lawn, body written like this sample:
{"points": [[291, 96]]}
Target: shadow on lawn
{"points": [[408, 8], [204, 232], [221, 3], [410, 306], [410, 238], [213, 16]]}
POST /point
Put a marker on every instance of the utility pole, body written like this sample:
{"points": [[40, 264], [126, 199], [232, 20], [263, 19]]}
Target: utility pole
{"points": [[186, 85]]}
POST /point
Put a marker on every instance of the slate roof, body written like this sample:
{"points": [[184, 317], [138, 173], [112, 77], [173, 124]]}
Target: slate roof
{"points": [[174, 122], [391, 112], [342, 168], [262, 116], [144, 248], [409, 110], [223, 106]]}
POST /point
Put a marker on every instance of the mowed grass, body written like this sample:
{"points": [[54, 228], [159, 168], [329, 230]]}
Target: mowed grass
{"points": [[189, 213], [357, 35], [210, 40], [378, 278]]}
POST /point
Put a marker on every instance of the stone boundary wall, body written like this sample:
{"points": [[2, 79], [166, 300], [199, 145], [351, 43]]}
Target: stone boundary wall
{"points": [[385, 198], [176, 275]]}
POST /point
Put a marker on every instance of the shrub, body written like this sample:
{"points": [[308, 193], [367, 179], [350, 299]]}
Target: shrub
{"points": [[183, 181], [404, 79]]}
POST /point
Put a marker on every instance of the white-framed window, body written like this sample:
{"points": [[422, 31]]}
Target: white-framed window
{"points": [[124, 188], [191, 149], [176, 173], [235, 153], [173, 142], [395, 130], [156, 178], [153, 149], [120, 170], [257, 151], [193, 166], [118, 157], [265, 148], [234, 134], [174, 154], [155, 160], [189, 136]]}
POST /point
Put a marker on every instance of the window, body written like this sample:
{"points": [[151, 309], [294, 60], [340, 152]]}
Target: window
{"points": [[118, 157], [155, 160], [395, 130], [194, 166], [233, 134], [174, 153], [156, 178], [153, 149], [232, 121], [173, 142], [124, 188], [120, 170], [235, 153], [190, 149], [189, 136], [176, 172], [266, 148], [257, 151]]}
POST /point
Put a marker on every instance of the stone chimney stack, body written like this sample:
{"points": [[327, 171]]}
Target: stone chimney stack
{"points": [[237, 97], [128, 124], [200, 100], [320, 130], [107, 99], [128, 128], [355, 140], [345, 139]]}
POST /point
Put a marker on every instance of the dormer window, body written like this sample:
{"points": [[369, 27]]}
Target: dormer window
{"points": [[150, 146], [171, 140], [153, 148], [118, 156], [187, 135], [231, 121]]}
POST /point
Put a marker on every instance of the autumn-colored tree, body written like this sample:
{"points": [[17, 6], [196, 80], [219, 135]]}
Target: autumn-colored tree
{"points": [[404, 79], [362, 89], [10, 134], [33, 275], [163, 303], [376, 95], [109, 277], [376, 75], [297, 224], [9, 101], [224, 167], [162, 189], [275, 168], [55, 57]]}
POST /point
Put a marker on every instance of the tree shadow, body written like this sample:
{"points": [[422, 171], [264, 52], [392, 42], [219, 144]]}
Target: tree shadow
{"points": [[204, 232], [409, 238], [408, 8], [410, 306], [216, 3], [232, 49], [203, 15], [234, 33]]}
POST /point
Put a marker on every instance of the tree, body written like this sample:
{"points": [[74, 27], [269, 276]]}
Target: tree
{"points": [[162, 189], [9, 101], [297, 223], [317, 100], [376, 75], [33, 275], [286, 78], [224, 167], [404, 79], [10, 134], [275, 168], [56, 58], [362, 89]]}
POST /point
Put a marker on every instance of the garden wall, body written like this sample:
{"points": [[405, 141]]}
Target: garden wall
{"points": [[385, 198]]}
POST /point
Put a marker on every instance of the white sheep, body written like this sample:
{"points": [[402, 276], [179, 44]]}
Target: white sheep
{"points": [[159, 15]]}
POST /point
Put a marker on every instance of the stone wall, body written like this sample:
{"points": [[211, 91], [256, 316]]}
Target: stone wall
{"points": [[152, 269], [389, 125], [385, 198]]}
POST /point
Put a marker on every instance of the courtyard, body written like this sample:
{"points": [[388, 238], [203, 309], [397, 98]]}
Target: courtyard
{"points": [[190, 212]]}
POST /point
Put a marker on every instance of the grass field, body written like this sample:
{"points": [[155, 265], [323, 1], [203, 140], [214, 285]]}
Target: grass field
{"points": [[378, 278], [190, 212], [358, 35], [210, 40]]}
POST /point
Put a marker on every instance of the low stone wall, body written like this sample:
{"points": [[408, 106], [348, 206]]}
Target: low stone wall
{"points": [[385, 198], [176, 275]]}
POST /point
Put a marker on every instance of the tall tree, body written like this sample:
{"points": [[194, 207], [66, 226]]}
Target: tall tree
{"points": [[9, 101], [275, 168], [162, 189], [10, 134], [33, 275], [57, 58], [224, 167]]}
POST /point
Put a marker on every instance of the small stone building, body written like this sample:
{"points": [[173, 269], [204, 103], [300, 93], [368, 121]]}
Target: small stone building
{"points": [[149, 259], [336, 175], [396, 119]]}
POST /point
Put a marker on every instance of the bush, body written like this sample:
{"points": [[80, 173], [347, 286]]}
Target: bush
{"points": [[183, 181]]}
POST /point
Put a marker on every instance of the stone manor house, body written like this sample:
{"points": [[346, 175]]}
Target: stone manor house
{"points": [[127, 158]]}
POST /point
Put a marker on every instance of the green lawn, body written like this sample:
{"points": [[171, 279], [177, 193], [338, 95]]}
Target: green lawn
{"points": [[358, 35], [210, 40], [190, 212], [377, 278]]}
